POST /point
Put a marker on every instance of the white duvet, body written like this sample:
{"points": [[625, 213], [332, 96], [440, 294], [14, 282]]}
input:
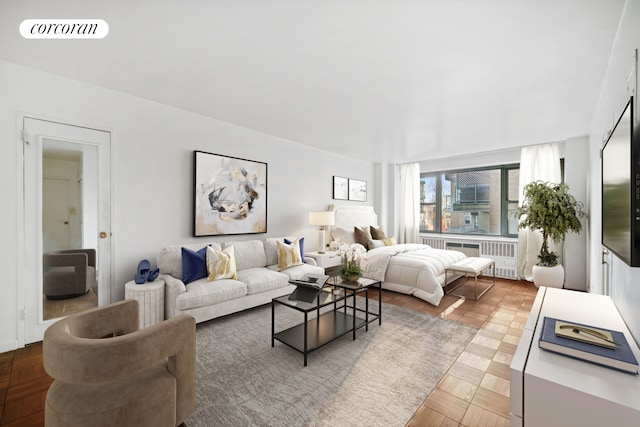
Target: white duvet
{"points": [[413, 269]]}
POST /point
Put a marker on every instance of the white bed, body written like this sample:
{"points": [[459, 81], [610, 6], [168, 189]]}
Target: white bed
{"points": [[412, 269]]}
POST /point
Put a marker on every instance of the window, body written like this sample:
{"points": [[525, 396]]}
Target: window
{"points": [[512, 177], [472, 201], [428, 204]]}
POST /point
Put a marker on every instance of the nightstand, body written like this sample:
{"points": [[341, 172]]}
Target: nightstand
{"points": [[330, 261]]}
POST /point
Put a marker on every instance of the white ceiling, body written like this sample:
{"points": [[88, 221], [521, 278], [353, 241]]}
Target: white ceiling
{"points": [[391, 81]]}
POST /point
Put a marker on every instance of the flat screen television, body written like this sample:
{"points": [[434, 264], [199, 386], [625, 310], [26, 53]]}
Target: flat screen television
{"points": [[621, 190]]}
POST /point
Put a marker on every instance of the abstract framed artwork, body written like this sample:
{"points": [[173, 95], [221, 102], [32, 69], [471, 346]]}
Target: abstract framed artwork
{"points": [[340, 188], [230, 195], [357, 190]]}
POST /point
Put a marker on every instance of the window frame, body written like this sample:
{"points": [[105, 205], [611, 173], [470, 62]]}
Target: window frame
{"points": [[504, 201]]}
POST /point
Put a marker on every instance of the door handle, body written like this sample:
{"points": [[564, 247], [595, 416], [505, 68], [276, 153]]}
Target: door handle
{"points": [[103, 234]]}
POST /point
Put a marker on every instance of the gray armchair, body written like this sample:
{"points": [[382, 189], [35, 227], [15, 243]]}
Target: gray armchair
{"points": [[108, 373], [68, 273]]}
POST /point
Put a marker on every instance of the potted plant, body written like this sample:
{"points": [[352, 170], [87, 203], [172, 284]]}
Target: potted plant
{"points": [[350, 270], [549, 208]]}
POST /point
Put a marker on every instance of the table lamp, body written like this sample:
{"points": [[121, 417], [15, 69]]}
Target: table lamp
{"points": [[322, 219]]}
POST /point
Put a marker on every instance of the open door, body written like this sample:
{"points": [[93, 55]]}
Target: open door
{"points": [[67, 205]]}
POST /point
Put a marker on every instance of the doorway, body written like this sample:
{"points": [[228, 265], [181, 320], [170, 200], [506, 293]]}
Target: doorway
{"points": [[66, 206]]}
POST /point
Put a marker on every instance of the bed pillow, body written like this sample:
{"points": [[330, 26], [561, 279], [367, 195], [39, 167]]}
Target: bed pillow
{"points": [[301, 242], [221, 264], [375, 243], [389, 241], [288, 255], [194, 264], [377, 233], [343, 236], [362, 235]]}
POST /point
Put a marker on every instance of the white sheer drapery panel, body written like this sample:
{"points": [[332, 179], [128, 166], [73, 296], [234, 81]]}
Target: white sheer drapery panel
{"points": [[409, 221], [537, 163]]}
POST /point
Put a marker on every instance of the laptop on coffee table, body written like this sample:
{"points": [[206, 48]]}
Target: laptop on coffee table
{"points": [[308, 288]]}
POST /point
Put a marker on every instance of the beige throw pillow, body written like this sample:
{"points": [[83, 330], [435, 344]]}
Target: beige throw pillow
{"points": [[362, 235], [221, 264], [377, 233], [288, 255], [389, 241]]}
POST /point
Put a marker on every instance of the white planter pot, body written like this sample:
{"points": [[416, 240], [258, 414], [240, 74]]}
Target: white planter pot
{"points": [[552, 277]]}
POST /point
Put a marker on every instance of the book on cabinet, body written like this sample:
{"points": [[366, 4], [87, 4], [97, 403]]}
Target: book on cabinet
{"points": [[619, 357]]}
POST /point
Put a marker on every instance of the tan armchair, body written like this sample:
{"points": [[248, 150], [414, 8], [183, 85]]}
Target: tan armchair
{"points": [[107, 372], [68, 273]]}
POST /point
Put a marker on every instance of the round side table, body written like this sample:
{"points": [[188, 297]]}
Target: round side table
{"points": [[150, 296]]}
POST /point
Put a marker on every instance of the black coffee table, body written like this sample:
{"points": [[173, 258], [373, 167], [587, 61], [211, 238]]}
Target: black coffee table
{"points": [[330, 324]]}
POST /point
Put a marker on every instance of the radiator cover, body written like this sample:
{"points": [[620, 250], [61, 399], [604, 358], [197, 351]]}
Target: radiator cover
{"points": [[503, 253]]}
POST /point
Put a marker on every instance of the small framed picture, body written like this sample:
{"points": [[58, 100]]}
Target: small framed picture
{"points": [[340, 188], [357, 190]]}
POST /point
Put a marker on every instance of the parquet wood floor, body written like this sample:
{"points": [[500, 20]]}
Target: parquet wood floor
{"points": [[474, 392]]}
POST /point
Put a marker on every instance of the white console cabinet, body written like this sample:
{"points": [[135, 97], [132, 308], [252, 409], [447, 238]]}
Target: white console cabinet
{"points": [[549, 389]]}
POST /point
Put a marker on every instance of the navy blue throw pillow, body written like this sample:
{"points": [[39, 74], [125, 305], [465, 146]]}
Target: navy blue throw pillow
{"points": [[194, 264], [300, 243]]}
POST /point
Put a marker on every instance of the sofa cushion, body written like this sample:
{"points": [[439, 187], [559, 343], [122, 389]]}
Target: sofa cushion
{"points": [[300, 243], [271, 250], [262, 279], [221, 264], [194, 264], [288, 255], [203, 292], [249, 254], [299, 271], [170, 257]]}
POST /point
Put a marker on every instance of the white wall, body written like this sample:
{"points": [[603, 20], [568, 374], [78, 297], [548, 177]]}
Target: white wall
{"points": [[153, 172], [575, 258], [67, 170], [625, 283]]}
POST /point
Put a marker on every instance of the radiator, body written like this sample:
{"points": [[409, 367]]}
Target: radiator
{"points": [[503, 253]]}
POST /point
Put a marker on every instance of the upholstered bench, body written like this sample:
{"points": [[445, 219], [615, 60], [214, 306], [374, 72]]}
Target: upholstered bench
{"points": [[471, 267]]}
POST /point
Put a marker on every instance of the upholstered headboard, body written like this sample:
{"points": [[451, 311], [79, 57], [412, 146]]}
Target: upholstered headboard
{"points": [[348, 216]]}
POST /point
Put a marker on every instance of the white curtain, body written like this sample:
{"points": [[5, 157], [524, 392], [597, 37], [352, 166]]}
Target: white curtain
{"points": [[409, 230], [537, 163]]}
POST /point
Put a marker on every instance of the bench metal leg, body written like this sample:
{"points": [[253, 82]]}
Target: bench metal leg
{"points": [[475, 290]]}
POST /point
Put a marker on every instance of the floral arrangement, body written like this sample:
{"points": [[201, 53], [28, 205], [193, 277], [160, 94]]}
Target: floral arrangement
{"points": [[350, 255]]}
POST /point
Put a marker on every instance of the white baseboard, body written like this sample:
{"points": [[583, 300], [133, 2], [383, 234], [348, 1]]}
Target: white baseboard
{"points": [[8, 346]]}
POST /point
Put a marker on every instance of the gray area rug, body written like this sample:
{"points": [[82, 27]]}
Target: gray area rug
{"points": [[380, 379]]}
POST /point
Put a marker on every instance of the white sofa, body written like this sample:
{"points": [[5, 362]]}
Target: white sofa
{"points": [[258, 280]]}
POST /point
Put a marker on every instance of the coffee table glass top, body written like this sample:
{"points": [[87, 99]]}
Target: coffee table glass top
{"points": [[325, 297], [363, 282], [328, 295]]}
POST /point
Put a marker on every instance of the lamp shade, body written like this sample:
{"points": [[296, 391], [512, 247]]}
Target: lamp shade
{"points": [[322, 218]]}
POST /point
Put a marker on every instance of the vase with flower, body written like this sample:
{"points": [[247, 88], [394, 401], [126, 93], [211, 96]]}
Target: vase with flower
{"points": [[350, 270]]}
